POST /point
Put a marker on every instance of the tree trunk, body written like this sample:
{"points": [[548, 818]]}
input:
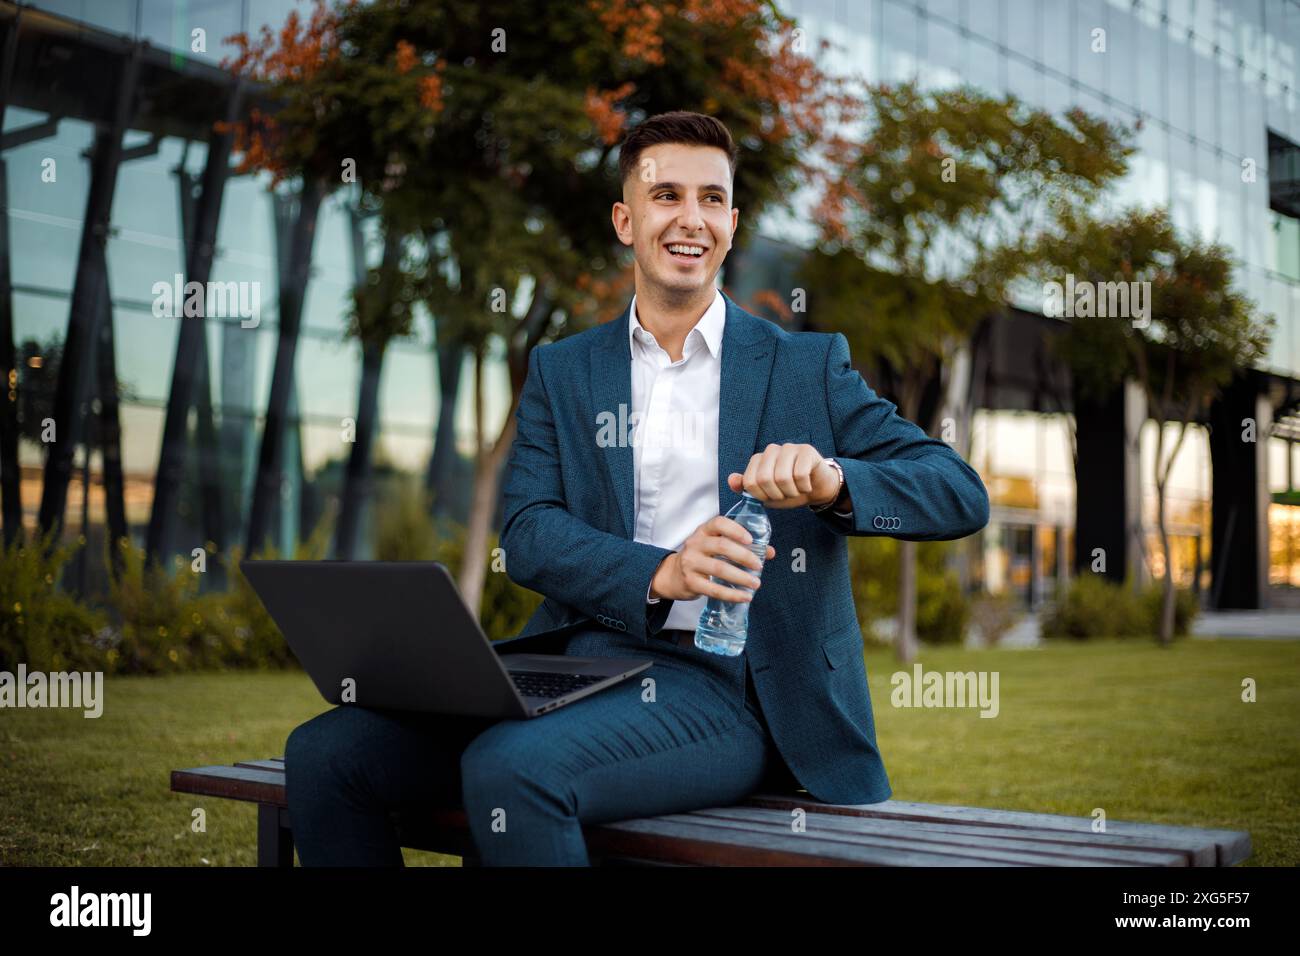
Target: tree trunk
{"points": [[10, 484], [450, 358], [90, 284], [1167, 602], [356, 478], [356, 481], [905, 643], [487, 462], [110, 436], [475, 550], [191, 380], [487, 468], [295, 270], [1163, 469]]}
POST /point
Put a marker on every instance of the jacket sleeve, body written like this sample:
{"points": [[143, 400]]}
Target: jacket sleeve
{"points": [[549, 550], [902, 482]]}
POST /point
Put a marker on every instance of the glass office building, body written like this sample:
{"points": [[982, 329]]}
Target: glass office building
{"points": [[1210, 88], [1213, 83], [69, 54]]}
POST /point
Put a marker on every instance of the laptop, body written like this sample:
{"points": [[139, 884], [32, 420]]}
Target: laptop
{"points": [[397, 635]]}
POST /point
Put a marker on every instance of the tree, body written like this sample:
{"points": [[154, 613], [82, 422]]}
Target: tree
{"points": [[381, 312], [494, 127], [281, 135], [925, 227], [1193, 334]]}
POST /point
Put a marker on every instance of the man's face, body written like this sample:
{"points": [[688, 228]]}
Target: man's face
{"points": [[679, 195]]}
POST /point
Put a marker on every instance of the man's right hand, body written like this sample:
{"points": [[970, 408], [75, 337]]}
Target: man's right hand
{"points": [[688, 573]]}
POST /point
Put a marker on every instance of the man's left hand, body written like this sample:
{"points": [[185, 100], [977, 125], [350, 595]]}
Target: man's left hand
{"points": [[788, 476]]}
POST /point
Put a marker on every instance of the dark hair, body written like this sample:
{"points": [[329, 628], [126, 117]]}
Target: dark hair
{"points": [[691, 129]]}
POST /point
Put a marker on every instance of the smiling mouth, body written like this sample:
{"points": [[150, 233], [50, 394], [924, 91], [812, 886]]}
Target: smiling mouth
{"points": [[685, 252]]}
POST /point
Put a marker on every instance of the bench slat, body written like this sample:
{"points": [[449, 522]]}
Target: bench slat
{"points": [[688, 843], [1198, 851], [271, 766], [1231, 846], [941, 839], [233, 783]]}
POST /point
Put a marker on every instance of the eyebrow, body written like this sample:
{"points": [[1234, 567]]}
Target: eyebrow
{"points": [[712, 187]]}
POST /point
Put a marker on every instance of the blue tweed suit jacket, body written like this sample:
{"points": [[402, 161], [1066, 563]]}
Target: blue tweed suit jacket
{"points": [[568, 524]]}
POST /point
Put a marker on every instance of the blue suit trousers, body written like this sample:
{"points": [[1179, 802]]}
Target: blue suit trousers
{"points": [[685, 734]]}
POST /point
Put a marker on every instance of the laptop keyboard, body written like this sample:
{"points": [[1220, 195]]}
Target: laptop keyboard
{"points": [[531, 684]]}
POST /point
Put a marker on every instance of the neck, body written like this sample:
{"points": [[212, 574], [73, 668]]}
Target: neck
{"points": [[669, 317]]}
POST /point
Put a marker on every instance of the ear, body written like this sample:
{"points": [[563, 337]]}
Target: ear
{"points": [[621, 216]]}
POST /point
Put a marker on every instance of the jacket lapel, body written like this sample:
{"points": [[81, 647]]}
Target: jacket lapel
{"points": [[611, 392], [747, 356]]}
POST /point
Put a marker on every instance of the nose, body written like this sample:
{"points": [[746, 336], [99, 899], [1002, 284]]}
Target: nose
{"points": [[690, 218]]}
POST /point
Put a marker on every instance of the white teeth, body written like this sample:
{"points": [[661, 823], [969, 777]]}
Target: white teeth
{"points": [[687, 250]]}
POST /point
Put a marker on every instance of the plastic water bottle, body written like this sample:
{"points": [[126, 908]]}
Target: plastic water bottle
{"points": [[724, 625]]}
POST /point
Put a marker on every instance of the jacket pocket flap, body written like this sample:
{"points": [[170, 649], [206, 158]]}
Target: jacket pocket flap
{"points": [[840, 645]]}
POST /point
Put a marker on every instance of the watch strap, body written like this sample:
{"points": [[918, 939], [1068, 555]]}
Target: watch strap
{"points": [[839, 491]]}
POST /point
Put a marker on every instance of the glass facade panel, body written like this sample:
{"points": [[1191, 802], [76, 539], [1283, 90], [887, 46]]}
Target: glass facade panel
{"points": [[1279, 304], [1091, 46], [984, 20], [951, 10], [1024, 37], [116, 16], [899, 30], [943, 54], [1152, 49], [1178, 77], [172, 26]]}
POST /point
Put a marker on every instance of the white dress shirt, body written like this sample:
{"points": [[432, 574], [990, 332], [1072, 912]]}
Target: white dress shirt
{"points": [[675, 439]]}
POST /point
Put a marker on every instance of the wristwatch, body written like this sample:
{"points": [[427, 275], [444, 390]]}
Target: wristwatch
{"points": [[839, 491]]}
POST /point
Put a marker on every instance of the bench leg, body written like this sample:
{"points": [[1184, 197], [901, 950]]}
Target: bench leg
{"points": [[274, 837]]}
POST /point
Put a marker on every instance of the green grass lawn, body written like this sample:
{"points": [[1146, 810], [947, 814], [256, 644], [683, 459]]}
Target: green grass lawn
{"points": [[1145, 734]]}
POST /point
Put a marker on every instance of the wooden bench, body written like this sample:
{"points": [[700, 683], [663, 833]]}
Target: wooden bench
{"points": [[759, 832]]}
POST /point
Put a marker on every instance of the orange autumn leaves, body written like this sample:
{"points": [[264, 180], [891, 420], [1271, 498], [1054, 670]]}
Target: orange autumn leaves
{"points": [[430, 86], [406, 56], [775, 70], [288, 61], [292, 56], [604, 115], [759, 60]]}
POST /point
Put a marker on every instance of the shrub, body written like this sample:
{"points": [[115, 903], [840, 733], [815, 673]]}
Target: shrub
{"points": [[41, 625], [404, 528], [993, 616], [405, 531], [246, 633], [159, 626], [1092, 606], [506, 606], [1185, 608], [241, 626], [166, 625], [942, 610]]}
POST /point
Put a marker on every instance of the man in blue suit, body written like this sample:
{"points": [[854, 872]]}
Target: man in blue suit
{"points": [[634, 438]]}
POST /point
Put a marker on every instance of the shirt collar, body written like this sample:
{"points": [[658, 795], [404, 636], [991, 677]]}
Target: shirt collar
{"points": [[710, 326]]}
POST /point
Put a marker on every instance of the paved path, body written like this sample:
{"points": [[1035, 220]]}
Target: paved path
{"points": [[1274, 625], [1282, 624]]}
